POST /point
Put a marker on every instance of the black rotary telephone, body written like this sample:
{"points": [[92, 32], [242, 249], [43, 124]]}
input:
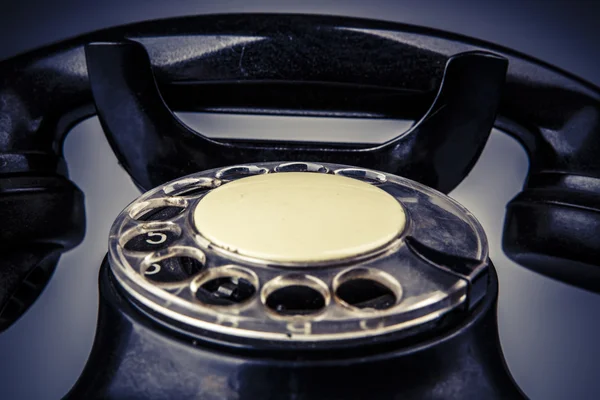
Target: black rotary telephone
{"points": [[455, 88]]}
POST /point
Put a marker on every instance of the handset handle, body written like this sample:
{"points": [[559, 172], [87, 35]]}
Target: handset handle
{"points": [[154, 146]]}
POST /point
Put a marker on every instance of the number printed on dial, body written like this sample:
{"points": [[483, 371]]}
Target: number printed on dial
{"points": [[174, 269], [151, 241]]}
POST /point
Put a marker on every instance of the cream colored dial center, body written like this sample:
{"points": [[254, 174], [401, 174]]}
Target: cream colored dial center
{"points": [[295, 217]]}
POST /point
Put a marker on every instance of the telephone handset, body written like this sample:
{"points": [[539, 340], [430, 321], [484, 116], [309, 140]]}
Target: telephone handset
{"points": [[455, 88]]}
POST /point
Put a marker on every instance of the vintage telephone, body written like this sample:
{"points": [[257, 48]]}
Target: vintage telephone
{"points": [[435, 322]]}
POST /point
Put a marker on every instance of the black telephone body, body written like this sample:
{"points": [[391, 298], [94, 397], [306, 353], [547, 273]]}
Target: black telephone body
{"points": [[455, 88]]}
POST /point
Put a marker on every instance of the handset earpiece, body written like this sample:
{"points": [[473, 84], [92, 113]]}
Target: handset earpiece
{"points": [[41, 214], [553, 225]]}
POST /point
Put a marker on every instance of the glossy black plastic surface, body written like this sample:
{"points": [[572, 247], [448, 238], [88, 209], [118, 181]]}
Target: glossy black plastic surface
{"points": [[137, 121], [41, 217], [134, 358], [553, 227]]}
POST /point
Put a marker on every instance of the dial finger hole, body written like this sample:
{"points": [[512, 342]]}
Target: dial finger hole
{"points": [[172, 266], [367, 290], [295, 300], [157, 209], [225, 286], [225, 291], [240, 171], [366, 293], [151, 241], [161, 213], [191, 187], [301, 167], [363, 175], [173, 270], [295, 295], [151, 236]]}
